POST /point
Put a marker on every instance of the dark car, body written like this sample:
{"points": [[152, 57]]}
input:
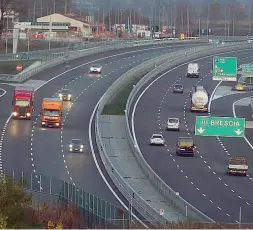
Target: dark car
{"points": [[65, 95], [76, 145], [178, 88], [185, 146]]}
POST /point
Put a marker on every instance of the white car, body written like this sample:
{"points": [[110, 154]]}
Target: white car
{"points": [[96, 69], [173, 124], [157, 139]]}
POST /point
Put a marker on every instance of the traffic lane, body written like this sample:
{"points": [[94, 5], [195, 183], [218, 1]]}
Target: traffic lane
{"points": [[164, 165], [235, 146], [158, 103], [116, 54], [81, 173], [194, 167], [15, 128], [211, 158]]}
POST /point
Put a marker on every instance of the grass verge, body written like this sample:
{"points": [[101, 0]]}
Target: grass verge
{"points": [[9, 67], [119, 103]]}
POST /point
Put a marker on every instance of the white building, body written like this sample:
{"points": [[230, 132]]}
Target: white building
{"points": [[78, 24]]}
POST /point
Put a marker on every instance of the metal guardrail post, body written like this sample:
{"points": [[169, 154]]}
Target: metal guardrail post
{"points": [[118, 180]]}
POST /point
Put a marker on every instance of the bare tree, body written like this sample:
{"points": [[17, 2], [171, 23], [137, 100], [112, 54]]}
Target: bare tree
{"points": [[10, 8]]}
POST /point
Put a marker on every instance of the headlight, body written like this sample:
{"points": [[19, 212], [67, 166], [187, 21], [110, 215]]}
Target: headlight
{"points": [[60, 95], [91, 69], [71, 146], [43, 123], [69, 95], [15, 114], [81, 146], [57, 124]]}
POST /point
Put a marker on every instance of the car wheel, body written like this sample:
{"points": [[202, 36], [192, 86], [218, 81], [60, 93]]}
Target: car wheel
{"points": [[178, 130], [192, 155], [245, 174]]}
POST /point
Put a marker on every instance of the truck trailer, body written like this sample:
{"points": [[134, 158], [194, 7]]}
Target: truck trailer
{"points": [[199, 99], [51, 113], [23, 99]]}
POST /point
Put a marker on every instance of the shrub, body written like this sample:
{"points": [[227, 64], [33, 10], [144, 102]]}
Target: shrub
{"points": [[14, 203], [57, 216]]}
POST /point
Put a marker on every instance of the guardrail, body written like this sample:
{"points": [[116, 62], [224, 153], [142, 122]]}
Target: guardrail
{"points": [[52, 53], [164, 62], [71, 55]]}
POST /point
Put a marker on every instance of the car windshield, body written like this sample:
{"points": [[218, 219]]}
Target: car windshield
{"points": [[173, 120], [51, 113], [96, 66], [157, 136], [22, 103], [65, 91], [188, 142], [178, 86], [76, 142]]}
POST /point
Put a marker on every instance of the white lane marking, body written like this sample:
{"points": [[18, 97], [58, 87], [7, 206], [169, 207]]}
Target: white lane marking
{"points": [[142, 93], [57, 76], [98, 167], [2, 136]]}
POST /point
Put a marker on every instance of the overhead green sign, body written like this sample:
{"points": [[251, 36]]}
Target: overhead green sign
{"points": [[225, 68], [247, 68], [219, 126]]}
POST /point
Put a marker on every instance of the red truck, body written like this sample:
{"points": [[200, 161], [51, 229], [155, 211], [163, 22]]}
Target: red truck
{"points": [[23, 99]]}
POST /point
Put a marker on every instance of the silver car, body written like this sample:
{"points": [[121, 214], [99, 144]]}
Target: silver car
{"points": [[96, 68], [76, 145]]}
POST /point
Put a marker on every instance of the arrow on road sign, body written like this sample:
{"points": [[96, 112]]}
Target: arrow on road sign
{"points": [[201, 130], [238, 132]]}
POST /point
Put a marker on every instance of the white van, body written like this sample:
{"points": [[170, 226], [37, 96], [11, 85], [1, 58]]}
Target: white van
{"points": [[193, 70]]}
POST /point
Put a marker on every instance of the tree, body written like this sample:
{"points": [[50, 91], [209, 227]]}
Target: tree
{"points": [[10, 8], [14, 203]]}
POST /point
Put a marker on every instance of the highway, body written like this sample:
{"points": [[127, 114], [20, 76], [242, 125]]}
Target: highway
{"points": [[201, 180], [29, 148]]}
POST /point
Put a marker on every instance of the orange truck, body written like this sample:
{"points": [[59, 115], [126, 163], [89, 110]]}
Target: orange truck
{"points": [[51, 113]]}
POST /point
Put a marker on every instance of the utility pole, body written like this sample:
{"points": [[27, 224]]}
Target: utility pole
{"points": [[188, 23], [225, 22], [54, 6], [207, 21], [200, 17], [249, 32], [228, 22], [65, 7], [34, 11], [41, 8]]}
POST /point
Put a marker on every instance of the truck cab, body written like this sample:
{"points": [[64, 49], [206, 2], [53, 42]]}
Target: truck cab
{"points": [[51, 113], [237, 165], [23, 99], [185, 146]]}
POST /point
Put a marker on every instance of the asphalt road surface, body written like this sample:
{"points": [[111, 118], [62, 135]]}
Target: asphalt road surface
{"points": [[201, 180]]}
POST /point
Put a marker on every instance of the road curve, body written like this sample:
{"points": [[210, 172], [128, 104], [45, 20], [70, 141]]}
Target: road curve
{"points": [[29, 148], [200, 180]]}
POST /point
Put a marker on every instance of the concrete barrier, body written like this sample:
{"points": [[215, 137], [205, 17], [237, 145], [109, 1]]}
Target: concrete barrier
{"points": [[150, 68]]}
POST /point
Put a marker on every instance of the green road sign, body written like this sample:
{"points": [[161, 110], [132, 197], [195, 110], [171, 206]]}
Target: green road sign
{"points": [[219, 126], [247, 68], [225, 68]]}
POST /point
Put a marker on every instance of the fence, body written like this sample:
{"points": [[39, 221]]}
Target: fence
{"points": [[164, 62], [95, 211]]}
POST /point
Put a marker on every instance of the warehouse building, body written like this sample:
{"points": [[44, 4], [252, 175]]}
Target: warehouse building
{"points": [[77, 24]]}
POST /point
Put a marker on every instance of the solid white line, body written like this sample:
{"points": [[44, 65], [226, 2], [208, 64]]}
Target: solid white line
{"points": [[4, 92], [98, 167], [94, 157], [234, 114], [212, 95], [142, 93]]}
